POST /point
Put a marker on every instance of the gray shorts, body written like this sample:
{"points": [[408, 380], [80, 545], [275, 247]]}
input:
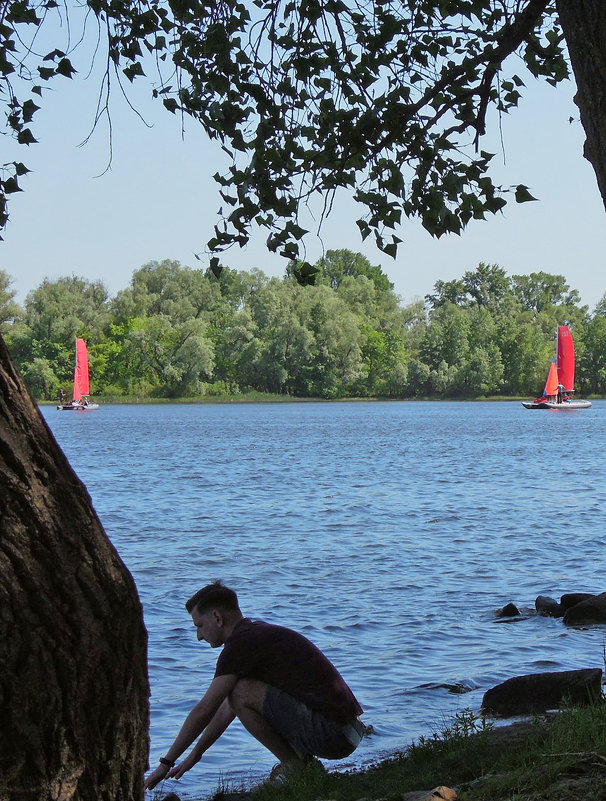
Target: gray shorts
{"points": [[308, 731]]}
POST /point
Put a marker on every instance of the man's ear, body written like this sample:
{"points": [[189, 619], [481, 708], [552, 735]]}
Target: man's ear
{"points": [[218, 617]]}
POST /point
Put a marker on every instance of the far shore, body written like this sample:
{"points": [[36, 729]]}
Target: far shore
{"points": [[266, 398]]}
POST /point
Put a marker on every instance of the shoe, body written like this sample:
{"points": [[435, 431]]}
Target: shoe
{"points": [[277, 776]]}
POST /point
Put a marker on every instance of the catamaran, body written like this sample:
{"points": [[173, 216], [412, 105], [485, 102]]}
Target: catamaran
{"points": [[559, 387], [80, 402]]}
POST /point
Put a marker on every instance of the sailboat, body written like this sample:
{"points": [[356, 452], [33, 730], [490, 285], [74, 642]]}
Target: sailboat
{"points": [[559, 387], [80, 400]]}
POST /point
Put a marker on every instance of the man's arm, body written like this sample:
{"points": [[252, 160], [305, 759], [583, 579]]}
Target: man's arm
{"points": [[223, 717], [197, 720]]}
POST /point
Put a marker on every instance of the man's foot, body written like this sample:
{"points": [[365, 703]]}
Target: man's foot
{"points": [[283, 771]]}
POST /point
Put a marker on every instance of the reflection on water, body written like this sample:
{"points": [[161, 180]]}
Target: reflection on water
{"points": [[387, 533]]}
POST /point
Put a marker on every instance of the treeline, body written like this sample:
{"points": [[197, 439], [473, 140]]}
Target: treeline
{"points": [[180, 332]]}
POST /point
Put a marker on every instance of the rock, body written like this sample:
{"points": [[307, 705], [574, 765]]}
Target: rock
{"points": [[591, 610], [573, 598], [509, 610], [548, 607], [538, 692]]}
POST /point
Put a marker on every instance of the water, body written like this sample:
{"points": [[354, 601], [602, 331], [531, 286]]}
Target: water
{"points": [[387, 533]]}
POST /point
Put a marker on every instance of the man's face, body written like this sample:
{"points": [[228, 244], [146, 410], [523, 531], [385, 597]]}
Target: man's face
{"points": [[209, 627]]}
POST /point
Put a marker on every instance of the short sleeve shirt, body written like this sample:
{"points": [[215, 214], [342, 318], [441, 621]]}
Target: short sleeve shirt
{"points": [[288, 661]]}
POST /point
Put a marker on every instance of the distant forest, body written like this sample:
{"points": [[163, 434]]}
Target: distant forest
{"points": [[177, 332]]}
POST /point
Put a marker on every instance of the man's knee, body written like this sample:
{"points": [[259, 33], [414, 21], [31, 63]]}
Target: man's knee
{"points": [[248, 694]]}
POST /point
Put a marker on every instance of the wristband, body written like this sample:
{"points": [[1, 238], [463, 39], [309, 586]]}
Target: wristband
{"points": [[167, 762]]}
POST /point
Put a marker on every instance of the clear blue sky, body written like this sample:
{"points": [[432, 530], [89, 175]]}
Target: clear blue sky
{"points": [[158, 201]]}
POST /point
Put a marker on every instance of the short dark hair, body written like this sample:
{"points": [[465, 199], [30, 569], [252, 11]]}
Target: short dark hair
{"points": [[214, 596]]}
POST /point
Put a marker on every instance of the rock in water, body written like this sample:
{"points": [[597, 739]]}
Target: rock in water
{"points": [[548, 607], [509, 610], [591, 610], [573, 598], [538, 692]]}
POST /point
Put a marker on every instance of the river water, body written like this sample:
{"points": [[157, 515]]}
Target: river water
{"points": [[387, 533]]}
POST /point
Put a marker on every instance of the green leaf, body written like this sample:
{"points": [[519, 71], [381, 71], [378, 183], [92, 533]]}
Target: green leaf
{"points": [[64, 67], [25, 137], [11, 186], [171, 104], [215, 268], [133, 70], [523, 195]]}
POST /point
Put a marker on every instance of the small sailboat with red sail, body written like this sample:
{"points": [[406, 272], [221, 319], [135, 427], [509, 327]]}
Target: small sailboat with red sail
{"points": [[559, 387], [80, 400]]}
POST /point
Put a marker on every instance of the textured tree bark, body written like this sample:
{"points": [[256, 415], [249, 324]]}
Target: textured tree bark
{"points": [[584, 26], [73, 674]]}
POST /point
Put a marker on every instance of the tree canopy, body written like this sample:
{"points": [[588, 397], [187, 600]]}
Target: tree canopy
{"points": [[387, 99]]}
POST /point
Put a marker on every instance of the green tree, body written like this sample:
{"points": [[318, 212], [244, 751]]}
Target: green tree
{"points": [[336, 265], [335, 362], [385, 363], [481, 373], [288, 350], [41, 380], [175, 357], [55, 314], [447, 337], [526, 353], [540, 291], [167, 288], [10, 311], [419, 378], [447, 292], [591, 364], [487, 285]]}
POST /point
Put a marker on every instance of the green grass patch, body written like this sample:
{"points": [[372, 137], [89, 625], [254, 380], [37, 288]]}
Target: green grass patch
{"points": [[549, 758]]}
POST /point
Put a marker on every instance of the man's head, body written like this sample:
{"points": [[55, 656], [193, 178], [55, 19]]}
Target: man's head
{"points": [[215, 612]]}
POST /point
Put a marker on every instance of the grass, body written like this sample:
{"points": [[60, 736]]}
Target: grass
{"points": [[551, 758]]}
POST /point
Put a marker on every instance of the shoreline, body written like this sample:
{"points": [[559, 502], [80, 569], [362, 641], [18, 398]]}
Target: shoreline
{"points": [[279, 399], [557, 756]]}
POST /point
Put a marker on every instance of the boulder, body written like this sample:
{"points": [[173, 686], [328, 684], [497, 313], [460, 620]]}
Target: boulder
{"points": [[548, 607], [509, 610], [591, 610], [538, 692], [573, 598]]}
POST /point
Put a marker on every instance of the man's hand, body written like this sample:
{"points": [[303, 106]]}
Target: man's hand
{"points": [[184, 766], [155, 777]]}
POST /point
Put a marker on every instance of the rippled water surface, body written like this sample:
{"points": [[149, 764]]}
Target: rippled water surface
{"points": [[387, 533]]}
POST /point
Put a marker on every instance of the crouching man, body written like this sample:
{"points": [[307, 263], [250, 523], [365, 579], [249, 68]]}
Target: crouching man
{"points": [[282, 688]]}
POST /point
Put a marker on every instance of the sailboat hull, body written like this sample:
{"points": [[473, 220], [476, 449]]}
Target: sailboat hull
{"points": [[565, 406], [68, 407]]}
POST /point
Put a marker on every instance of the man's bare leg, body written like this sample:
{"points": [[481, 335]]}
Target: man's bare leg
{"points": [[246, 700]]}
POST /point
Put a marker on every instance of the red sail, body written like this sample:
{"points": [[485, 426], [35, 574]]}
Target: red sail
{"points": [[565, 358], [551, 385], [81, 370]]}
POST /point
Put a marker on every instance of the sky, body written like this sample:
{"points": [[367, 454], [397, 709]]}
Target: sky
{"points": [[158, 201]]}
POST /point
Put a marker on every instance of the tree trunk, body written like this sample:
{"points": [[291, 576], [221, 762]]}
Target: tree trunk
{"points": [[584, 26], [73, 676]]}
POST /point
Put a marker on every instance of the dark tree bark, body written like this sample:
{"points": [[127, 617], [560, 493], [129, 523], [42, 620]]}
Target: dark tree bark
{"points": [[584, 26], [73, 674]]}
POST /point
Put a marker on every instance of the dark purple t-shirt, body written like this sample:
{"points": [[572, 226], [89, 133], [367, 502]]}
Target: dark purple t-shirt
{"points": [[288, 661]]}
